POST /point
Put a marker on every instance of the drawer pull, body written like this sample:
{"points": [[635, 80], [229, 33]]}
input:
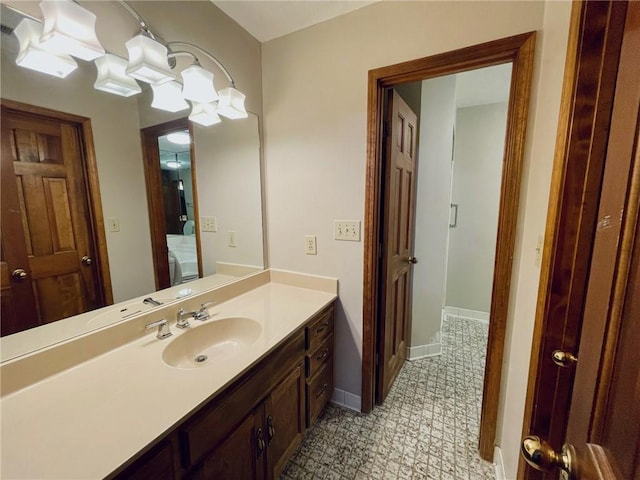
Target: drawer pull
{"points": [[322, 328], [270, 430], [260, 441], [322, 390], [323, 355]]}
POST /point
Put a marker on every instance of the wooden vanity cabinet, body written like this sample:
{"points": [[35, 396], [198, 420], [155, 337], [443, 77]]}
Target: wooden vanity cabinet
{"points": [[252, 429]]}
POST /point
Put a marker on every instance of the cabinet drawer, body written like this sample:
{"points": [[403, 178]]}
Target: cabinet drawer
{"points": [[319, 329], [323, 354], [319, 390]]}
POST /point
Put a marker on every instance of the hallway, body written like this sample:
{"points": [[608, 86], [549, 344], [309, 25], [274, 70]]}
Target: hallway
{"points": [[427, 428]]}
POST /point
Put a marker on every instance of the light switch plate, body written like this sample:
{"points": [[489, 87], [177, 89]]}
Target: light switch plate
{"points": [[209, 224], [346, 230], [231, 238]]}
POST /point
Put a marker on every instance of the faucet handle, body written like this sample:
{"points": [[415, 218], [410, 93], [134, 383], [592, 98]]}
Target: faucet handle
{"points": [[205, 305], [163, 328]]}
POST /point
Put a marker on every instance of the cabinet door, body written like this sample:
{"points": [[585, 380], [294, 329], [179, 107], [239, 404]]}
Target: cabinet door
{"points": [[285, 420], [241, 455]]}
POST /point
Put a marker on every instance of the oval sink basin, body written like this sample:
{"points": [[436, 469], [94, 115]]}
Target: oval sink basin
{"points": [[216, 339]]}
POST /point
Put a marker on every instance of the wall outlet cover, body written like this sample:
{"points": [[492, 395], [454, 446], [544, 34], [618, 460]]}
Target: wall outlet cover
{"points": [[114, 224], [231, 238], [310, 245]]}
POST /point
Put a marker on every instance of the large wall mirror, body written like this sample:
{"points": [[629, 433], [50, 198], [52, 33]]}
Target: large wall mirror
{"points": [[227, 180]]}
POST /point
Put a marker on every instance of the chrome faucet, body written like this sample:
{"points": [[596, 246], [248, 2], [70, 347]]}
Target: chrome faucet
{"points": [[151, 301], [182, 320], [163, 328], [203, 313]]}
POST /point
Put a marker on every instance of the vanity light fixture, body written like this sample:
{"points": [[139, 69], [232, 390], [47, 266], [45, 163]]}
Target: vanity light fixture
{"points": [[174, 164], [168, 97], [204, 114], [112, 77], [179, 138], [198, 84], [148, 60], [34, 57], [69, 29]]}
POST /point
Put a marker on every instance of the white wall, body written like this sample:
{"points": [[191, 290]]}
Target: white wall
{"points": [[315, 100], [478, 153], [228, 171], [432, 208]]}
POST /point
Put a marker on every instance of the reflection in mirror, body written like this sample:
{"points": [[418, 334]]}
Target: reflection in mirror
{"points": [[178, 201], [114, 124]]}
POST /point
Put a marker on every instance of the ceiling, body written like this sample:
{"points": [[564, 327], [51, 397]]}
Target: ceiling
{"points": [[266, 20]]}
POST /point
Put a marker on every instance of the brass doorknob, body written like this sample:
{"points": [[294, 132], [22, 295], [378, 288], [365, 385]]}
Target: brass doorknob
{"points": [[563, 359], [86, 260], [542, 457], [19, 274], [412, 260]]}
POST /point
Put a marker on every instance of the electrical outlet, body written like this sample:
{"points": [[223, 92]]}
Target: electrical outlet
{"points": [[209, 224], [310, 245], [346, 230], [114, 224], [231, 238]]}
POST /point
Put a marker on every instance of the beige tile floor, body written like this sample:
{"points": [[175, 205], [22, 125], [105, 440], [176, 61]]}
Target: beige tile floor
{"points": [[426, 429]]}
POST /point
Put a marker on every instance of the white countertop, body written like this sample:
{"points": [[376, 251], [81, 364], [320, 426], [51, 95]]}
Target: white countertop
{"points": [[86, 421]]}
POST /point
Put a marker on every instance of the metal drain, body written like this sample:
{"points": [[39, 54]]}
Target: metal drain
{"points": [[201, 358]]}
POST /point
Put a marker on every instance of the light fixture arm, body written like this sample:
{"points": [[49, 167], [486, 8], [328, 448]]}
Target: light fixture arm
{"points": [[183, 53], [144, 26], [208, 55]]}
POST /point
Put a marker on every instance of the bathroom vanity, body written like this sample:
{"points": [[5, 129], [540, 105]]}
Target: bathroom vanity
{"points": [[141, 410]]}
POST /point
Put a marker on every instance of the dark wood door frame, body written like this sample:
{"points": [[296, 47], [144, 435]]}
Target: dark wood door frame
{"points": [[155, 202], [519, 50], [593, 54], [92, 186]]}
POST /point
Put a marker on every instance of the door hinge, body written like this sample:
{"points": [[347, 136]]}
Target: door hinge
{"points": [[377, 359], [380, 251]]}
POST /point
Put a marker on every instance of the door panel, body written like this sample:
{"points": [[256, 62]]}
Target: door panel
{"points": [[603, 421], [397, 241], [47, 220]]}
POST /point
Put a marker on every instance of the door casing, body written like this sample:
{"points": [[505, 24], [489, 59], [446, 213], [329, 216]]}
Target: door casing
{"points": [[519, 50]]}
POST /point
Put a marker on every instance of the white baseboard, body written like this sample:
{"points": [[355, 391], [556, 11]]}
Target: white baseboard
{"points": [[466, 313], [498, 464], [423, 351], [346, 399]]}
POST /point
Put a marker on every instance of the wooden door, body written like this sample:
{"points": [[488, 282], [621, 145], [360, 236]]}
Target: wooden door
{"points": [[399, 207], [603, 426], [285, 421], [46, 224]]}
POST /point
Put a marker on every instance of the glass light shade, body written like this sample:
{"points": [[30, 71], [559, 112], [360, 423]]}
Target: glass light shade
{"points": [[198, 85], [168, 97], [174, 164], [33, 56], [69, 29], [231, 103], [204, 114], [179, 138], [112, 77], [148, 60]]}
